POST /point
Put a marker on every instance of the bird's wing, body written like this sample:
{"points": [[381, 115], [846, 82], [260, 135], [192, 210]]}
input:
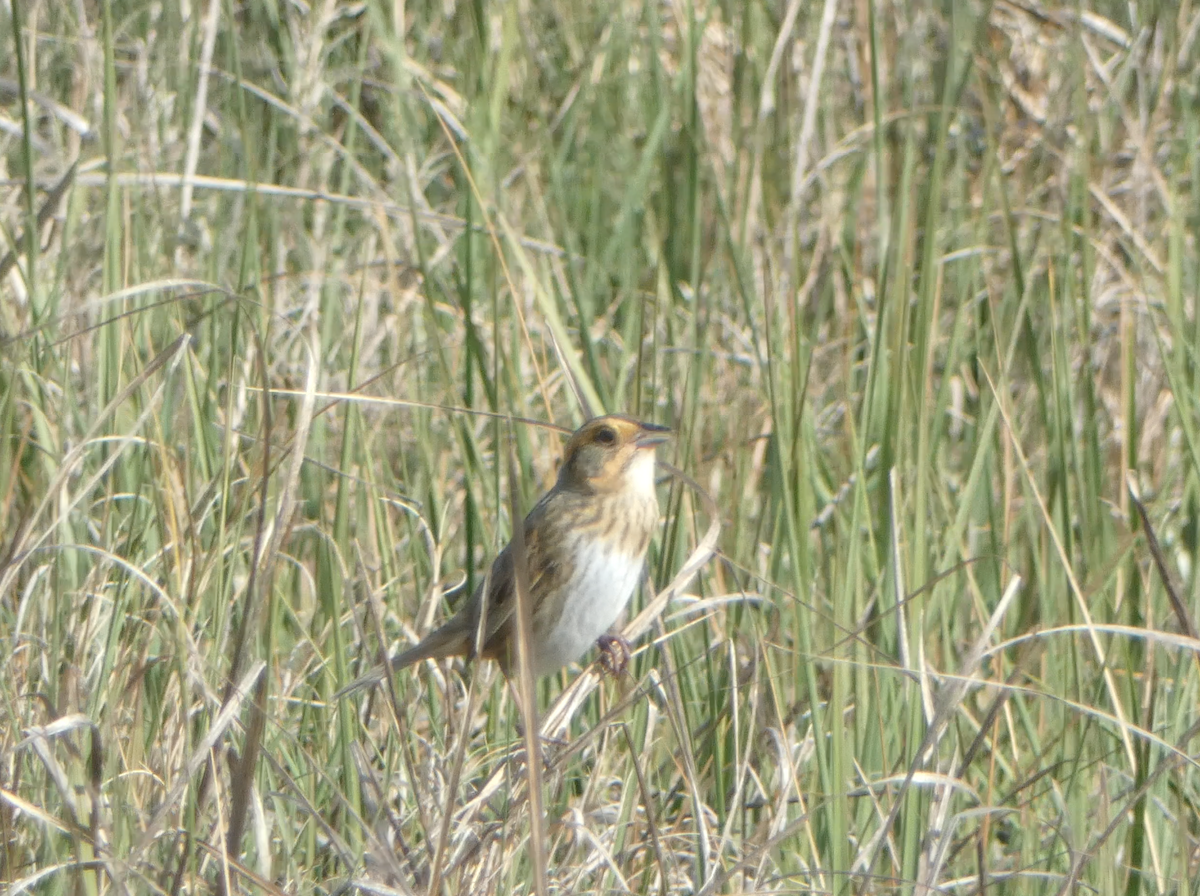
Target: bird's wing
{"points": [[500, 584]]}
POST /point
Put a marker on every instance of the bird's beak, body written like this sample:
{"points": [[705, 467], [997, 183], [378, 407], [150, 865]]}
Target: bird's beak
{"points": [[652, 435]]}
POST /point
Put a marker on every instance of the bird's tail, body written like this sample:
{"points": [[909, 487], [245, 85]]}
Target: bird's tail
{"points": [[452, 639]]}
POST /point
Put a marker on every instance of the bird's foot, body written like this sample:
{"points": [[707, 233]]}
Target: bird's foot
{"points": [[614, 654]]}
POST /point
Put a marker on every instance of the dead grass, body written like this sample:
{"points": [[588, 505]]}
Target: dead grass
{"points": [[916, 287]]}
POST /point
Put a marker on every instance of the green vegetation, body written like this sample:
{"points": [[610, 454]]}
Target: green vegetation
{"points": [[285, 287]]}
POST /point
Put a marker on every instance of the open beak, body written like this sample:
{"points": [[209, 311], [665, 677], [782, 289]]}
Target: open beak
{"points": [[652, 435]]}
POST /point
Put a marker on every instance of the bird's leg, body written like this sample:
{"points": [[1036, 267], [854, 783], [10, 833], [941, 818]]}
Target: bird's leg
{"points": [[614, 653]]}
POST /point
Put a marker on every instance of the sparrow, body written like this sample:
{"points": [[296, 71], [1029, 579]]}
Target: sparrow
{"points": [[585, 546]]}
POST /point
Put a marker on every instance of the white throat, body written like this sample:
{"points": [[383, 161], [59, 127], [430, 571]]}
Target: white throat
{"points": [[641, 473]]}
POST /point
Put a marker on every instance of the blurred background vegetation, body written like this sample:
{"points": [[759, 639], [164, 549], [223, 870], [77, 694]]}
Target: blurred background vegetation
{"points": [[285, 286]]}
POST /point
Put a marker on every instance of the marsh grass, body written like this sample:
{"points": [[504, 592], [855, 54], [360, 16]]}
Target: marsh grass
{"points": [[915, 284]]}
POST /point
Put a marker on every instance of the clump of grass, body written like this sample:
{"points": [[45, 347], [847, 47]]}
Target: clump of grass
{"points": [[285, 293]]}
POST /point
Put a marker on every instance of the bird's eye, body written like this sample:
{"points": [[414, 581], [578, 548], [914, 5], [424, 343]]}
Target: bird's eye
{"points": [[605, 436]]}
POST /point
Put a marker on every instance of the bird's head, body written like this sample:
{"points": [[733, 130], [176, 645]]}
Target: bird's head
{"points": [[613, 453]]}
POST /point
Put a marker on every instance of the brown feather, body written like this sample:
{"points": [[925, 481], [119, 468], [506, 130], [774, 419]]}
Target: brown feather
{"points": [[452, 639]]}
